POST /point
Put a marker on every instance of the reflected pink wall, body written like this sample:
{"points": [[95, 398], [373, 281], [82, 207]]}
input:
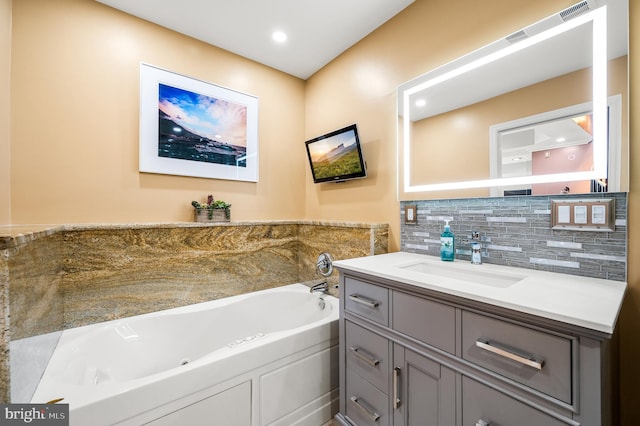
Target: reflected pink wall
{"points": [[562, 160]]}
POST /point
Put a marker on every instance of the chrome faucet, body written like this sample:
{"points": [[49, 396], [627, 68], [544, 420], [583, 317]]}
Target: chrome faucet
{"points": [[476, 247], [322, 287], [476, 255]]}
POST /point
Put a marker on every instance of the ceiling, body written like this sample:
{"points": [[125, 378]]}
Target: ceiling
{"points": [[317, 31]]}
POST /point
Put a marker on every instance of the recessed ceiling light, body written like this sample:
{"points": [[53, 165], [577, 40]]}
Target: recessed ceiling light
{"points": [[421, 103], [561, 139], [279, 36]]}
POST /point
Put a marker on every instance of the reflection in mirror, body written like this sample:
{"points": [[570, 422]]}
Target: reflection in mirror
{"points": [[556, 141], [551, 66]]}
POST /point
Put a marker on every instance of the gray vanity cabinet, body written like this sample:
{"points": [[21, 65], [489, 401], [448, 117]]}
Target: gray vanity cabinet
{"points": [[424, 391], [415, 357], [386, 383], [483, 406], [389, 384]]}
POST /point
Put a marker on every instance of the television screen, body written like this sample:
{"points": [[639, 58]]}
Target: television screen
{"points": [[336, 156]]}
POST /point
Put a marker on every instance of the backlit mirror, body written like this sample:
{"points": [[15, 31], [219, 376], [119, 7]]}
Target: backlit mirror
{"points": [[541, 111]]}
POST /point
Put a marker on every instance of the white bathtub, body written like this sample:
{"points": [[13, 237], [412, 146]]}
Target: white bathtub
{"points": [[264, 358]]}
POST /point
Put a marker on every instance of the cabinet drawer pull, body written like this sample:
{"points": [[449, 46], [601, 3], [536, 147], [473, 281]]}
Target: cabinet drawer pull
{"points": [[396, 388], [364, 356], [364, 301], [373, 416], [498, 349], [482, 423]]}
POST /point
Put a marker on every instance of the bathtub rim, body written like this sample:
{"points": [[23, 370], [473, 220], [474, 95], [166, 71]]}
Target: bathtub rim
{"points": [[309, 335]]}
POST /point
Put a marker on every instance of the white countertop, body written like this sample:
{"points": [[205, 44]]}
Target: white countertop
{"points": [[591, 303]]}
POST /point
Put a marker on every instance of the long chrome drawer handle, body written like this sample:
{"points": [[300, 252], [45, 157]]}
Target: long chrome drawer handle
{"points": [[364, 301], [373, 416], [396, 388], [364, 356], [498, 350]]}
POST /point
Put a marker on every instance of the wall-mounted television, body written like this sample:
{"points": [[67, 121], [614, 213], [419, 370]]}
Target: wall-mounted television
{"points": [[336, 156]]}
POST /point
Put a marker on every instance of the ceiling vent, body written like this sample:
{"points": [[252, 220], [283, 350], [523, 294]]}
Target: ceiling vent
{"points": [[516, 37], [575, 10]]}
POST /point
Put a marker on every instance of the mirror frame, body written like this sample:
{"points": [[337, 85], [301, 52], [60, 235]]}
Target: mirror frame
{"points": [[467, 63]]}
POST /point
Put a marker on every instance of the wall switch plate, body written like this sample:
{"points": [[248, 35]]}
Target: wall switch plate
{"points": [[583, 215], [411, 214]]}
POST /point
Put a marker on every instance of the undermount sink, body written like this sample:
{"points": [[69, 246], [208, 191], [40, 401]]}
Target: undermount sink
{"points": [[473, 275]]}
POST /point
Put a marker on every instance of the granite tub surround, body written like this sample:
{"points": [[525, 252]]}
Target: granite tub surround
{"points": [[94, 273], [66, 276], [35, 286], [516, 231], [345, 241], [111, 274], [30, 277]]}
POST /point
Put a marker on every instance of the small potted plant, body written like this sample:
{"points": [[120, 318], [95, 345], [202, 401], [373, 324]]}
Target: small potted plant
{"points": [[212, 211]]}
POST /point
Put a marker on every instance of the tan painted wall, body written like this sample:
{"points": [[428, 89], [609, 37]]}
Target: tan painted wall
{"points": [[359, 86], [74, 152], [5, 116]]}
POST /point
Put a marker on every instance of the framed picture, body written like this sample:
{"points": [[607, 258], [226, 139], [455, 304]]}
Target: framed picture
{"points": [[189, 127]]}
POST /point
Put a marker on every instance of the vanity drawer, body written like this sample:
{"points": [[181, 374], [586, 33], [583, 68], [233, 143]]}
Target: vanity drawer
{"points": [[366, 299], [542, 361], [431, 322], [366, 405], [367, 354], [482, 405]]}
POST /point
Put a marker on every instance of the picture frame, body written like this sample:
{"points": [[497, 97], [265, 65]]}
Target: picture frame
{"points": [[189, 127]]}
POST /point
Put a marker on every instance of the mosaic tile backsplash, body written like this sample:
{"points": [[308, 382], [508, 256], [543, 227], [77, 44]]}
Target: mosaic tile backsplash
{"points": [[516, 231]]}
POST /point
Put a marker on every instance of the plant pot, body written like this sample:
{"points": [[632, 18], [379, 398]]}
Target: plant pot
{"points": [[215, 215]]}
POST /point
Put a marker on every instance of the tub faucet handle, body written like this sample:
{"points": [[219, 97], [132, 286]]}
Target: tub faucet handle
{"points": [[322, 287], [324, 264]]}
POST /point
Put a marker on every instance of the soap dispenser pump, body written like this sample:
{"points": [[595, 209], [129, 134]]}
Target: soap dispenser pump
{"points": [[447, 245]]}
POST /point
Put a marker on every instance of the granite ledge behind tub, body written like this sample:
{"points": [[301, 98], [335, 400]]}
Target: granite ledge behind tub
{"points": [[62, 276], [103, 272]]}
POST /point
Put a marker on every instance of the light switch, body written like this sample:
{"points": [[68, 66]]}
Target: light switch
{"points": [[580, 214], [564, 214], [595, 214], [598, 215]]}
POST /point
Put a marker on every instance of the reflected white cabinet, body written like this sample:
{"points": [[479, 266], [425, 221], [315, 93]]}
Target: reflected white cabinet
{"points": [[411, 356]]}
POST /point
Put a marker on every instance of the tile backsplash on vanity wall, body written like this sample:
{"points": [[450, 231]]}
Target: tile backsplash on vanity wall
{"points": [[516, 231]]}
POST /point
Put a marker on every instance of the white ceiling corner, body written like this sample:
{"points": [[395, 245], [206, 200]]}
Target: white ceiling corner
{"points": [[318, 31]]}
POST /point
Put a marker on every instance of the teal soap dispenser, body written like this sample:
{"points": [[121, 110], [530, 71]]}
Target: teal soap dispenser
{"points": [[447, 245]]}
